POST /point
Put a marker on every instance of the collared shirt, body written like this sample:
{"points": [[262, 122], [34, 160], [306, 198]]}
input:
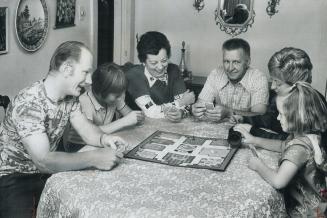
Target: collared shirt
{"points": [[94, 112], [151, 79], [250, 91], [30, 113]]}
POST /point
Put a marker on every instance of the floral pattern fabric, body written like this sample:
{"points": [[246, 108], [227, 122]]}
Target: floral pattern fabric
{"points": [[31, 112], [302, 195], [144, 189]]}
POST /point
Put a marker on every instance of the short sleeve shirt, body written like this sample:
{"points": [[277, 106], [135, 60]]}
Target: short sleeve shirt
{"points": [[250, 91], [302, 193], [31, 112], [94, 112]]}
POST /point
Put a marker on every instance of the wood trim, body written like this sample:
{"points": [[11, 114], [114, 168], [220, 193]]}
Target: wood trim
{"points": [[124, 31]]}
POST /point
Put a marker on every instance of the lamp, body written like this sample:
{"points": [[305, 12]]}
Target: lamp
{"points": [[271, 8], [198, 5]]}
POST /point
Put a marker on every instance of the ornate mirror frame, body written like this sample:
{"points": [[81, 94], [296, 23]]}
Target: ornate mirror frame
{"points": [[234, 28]]}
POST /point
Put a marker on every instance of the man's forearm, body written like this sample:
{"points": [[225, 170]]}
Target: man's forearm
{"points": [[55, 162]]}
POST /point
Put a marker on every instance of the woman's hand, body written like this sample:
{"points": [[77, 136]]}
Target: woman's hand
{"points": [[244, 129], [174, 115]]}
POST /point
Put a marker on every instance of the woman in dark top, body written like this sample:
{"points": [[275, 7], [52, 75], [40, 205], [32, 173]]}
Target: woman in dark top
{"points": [[156, 85]]}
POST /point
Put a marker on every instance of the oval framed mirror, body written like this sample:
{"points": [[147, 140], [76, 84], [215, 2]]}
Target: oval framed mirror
{"points": [[31, 23], [234, 16]]}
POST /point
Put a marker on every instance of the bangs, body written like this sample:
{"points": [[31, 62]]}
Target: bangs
{"points": [[108, 79], [116, 85]]}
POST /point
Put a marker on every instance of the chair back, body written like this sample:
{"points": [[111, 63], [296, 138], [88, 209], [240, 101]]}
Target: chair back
{"points": [[4, 102]]}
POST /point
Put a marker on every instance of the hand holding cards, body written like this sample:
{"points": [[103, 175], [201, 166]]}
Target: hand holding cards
{"points": [[209, 106]]}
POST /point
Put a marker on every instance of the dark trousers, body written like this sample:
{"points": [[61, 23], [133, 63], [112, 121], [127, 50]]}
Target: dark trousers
{"points": [[20, 194]]}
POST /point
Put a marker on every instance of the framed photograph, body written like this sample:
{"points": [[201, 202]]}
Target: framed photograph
{"points": [[65, 14], [31, 23], [3, 30]]}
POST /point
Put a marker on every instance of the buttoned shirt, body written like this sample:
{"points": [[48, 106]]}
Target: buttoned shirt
{"points": [[250, 91], [95, 112]]}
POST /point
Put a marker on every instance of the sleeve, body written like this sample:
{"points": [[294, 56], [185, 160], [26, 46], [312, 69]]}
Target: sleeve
{"points": [[260, 92], [297, 154], [149, 108], [208, 92], [28, 118]]}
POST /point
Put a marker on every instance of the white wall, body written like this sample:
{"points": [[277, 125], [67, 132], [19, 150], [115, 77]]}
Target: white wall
{"points": [[19, 68], [299, 23]]}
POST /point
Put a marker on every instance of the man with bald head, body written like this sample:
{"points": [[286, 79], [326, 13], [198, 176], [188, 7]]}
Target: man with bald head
{"points": [[34, 124]]}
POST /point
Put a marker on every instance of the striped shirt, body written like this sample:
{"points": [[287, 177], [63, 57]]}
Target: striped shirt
{"points": [[250, 91]]}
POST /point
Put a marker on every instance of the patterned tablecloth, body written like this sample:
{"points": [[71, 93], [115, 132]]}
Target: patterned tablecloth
{"points": [[144, 189]]}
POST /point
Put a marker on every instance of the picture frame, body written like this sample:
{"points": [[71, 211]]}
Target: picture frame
{"points": [[65, 13], [4, 17], [31, 23]]}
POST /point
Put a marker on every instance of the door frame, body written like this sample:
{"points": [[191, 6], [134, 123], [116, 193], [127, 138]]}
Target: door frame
{"points": [[124, 28]]}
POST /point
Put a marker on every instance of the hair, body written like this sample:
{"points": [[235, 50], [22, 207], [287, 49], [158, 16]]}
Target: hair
{"points": [[108, 78], [70, 50], [151, 43], [305, 110], [291, 65], [237, 43]]}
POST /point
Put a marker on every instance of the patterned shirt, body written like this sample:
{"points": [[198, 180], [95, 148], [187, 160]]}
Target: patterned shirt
{"points": [[302, 195], [31, 112], [94, 112], [250, 91]]}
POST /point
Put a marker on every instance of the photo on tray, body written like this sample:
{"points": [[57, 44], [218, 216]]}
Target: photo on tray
{"points": [[146, 154], [210, 161], [219, 142], [154, 146], [177, 159], [213, 152], [194, 141], [169, 135], [159, 140], [185, 148]]}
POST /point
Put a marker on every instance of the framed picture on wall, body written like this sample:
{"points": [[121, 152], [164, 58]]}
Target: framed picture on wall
{"points": [[65, 14], [31, 23], [3, 30]]}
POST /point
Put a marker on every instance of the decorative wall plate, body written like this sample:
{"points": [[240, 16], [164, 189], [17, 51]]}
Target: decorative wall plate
{"points": [[31, 23]]}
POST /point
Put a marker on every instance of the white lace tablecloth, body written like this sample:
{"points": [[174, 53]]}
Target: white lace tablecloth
{"points": [[143, 189]]}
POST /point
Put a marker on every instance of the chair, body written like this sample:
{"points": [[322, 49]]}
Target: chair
{"points": [[4, 101]]}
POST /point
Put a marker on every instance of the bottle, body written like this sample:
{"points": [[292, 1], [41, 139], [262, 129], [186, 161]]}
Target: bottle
{"points": [[182, 64]]}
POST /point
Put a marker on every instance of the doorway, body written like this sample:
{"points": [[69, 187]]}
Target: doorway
{"points": [[105, 31]]}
